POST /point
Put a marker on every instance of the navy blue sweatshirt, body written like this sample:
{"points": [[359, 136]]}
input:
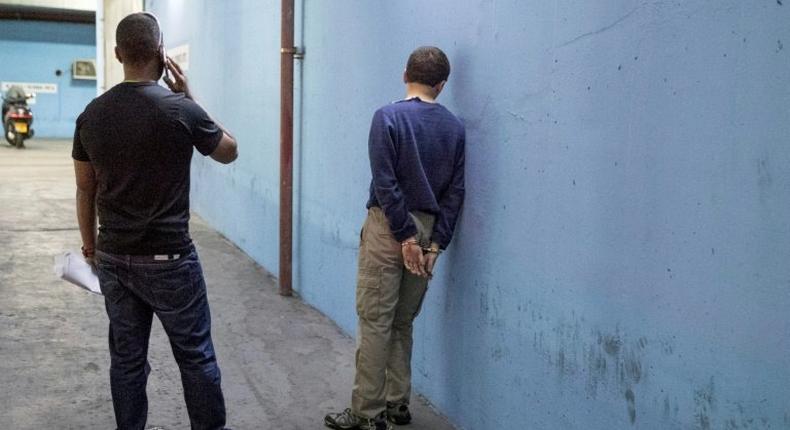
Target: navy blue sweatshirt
{"points": [[417, 160]]}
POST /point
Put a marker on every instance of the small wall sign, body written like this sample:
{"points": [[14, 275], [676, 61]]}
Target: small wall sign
{"points": [[31, 87]]}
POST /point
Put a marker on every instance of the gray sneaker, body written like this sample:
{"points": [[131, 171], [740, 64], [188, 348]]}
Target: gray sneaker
{"points": [[398, 413], [342, 421], [346, 420]]}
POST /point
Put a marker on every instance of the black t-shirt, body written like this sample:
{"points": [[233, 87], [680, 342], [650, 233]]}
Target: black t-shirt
{"points": [[139, 137]]}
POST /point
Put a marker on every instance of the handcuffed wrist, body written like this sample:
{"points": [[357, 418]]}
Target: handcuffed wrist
{"points": [[433, 249], [409, 242]]}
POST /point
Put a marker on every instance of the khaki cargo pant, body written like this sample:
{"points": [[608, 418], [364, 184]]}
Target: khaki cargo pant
{"points": [[389, 297]]}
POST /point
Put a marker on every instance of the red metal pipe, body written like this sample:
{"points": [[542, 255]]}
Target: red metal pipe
{"points": [[287, 52]]}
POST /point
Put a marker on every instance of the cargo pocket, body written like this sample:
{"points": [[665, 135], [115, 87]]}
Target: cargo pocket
{"points": [[368, 293]]}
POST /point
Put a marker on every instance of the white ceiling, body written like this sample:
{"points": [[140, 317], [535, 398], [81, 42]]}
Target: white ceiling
{"points": [[85, 5]]}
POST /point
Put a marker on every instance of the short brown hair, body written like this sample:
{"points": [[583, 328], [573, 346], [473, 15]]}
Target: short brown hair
{"points": [[427, 65]]}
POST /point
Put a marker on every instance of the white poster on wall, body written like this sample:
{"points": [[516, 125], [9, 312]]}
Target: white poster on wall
{"points": [[31, 87], [180, 54]]}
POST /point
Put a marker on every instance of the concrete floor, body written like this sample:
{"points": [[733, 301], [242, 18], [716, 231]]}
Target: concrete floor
{"points": [[284, 364]]}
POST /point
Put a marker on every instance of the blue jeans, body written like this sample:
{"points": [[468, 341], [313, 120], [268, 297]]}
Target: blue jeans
{"points": [[137, 287]]}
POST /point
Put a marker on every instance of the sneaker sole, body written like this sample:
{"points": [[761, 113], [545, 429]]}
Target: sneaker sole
{"points": [[333, 425], [398, 422]]}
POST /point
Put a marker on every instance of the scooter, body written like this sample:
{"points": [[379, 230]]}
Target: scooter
{"points": [[17, 120]]}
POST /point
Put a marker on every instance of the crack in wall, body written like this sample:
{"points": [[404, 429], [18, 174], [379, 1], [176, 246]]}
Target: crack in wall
{"points": [[600, 30]]}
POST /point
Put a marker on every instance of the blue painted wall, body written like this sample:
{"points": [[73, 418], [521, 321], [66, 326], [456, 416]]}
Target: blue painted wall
{"points": [[238, 83], [31, 51], [623, 260]]}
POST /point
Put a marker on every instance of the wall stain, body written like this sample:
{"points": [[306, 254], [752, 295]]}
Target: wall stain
{"points": [[603, 361], [483, 303], [517, 116], [633, 367], [705, 403], [611, 344], [498, 354], [764, 178], [742, 421], [631, 402], [668, 346], [667, 409], [611, 363], [561, 361]]}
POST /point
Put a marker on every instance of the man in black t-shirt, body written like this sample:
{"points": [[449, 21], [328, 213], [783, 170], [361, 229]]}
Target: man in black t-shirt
{"points": [[132, 152]]}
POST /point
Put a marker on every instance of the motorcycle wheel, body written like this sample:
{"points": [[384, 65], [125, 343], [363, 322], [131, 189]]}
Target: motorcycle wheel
{"points": [[10, 136], [19, 141]]}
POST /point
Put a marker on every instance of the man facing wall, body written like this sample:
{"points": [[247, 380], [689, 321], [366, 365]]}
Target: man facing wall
{"points": [[416, 149]]}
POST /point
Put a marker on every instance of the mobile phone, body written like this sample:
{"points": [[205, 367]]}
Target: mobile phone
{"points": [[166, 77]]}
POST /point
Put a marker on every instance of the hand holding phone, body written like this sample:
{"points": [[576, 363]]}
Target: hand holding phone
{"points": [[178, 82], [166, 76]]}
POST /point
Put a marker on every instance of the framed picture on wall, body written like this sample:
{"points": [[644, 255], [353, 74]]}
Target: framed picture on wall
{"points": [[83, 69]]}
